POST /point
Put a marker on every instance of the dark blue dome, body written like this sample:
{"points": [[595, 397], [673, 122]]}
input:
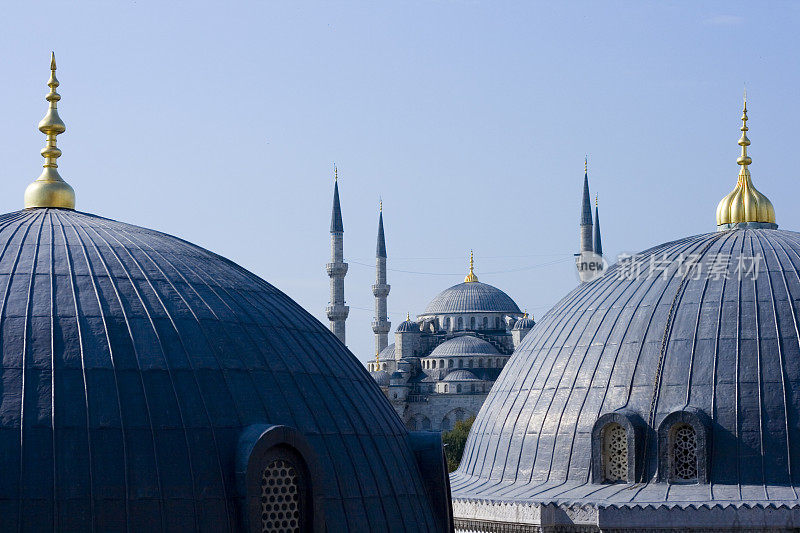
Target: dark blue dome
{"points": [[471, 297], [655, 342], [135, 365]]}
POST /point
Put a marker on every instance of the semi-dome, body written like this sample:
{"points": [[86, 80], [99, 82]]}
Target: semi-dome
{"points": [[137, 366], [387, 354], [381, 377], [698, 336], [464, 345], [461, 375], [471, 297]]}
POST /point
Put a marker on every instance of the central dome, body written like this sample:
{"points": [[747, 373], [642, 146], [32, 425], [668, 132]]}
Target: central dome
{"points": [[471, 297]]}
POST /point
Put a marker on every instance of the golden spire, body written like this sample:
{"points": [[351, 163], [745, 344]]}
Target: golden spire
{"points": [[745, 203], [585, 164], [408, 316], [471, 277], [335, 173], [595, 199], [49, 190]]}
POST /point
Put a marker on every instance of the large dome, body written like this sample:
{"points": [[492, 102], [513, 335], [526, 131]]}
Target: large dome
{"points": [[137, 371], [471, 297], [713, 348]]}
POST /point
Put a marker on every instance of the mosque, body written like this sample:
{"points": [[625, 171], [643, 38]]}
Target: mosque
{"points": [[443, 363], [663, 395], [148, 384]]}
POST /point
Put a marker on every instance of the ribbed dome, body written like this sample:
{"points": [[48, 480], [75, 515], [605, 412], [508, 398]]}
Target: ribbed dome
{"points": [[523, 323], [471, 297], [407, 326], [132, 363], [464, 345], [387, 354], [651, 345], [381, 377], [460, 375]]}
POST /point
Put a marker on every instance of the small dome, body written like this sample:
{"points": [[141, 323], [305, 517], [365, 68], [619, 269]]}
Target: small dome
{"points": [[407, 326], [472, 297], [464, 345], [461, 375], [387, 354], [381, 377], [523, 323]]}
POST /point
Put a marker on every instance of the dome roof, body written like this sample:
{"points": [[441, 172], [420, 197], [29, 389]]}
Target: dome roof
{"points": [[523, 323], [381, 377], [132, 364], [720, 341], [464, 345], [387, 354], [460, 375], [471, 297], [406, 326]]}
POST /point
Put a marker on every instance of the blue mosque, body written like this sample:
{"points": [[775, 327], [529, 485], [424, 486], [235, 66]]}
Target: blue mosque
{"points": [[148, 384]]}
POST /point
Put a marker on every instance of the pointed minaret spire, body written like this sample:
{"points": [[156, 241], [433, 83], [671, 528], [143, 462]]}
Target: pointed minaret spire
{"points": [[49, 190], [381, 325], [598, 245], [586, 212], [337, 311]]}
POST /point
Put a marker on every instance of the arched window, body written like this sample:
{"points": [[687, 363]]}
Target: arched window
{"points": [[472, 322], [460, 323], [615, 453], [460, 363], [472, 387], [445, 387], [449, 363], [486, 322], [499, 363], [683, 452], [458, 389], [497, 322], [280, 477], [447, 322], [684, 443], [470, 363], [480, 363]]}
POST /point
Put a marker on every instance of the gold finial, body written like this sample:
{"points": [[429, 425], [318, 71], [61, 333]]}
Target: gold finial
{"points": [[595, 199], [408, 316], [471, 277], [335, 173], [377, 362], [49, 190], [745, 203], [380, 205], [585, 164]]}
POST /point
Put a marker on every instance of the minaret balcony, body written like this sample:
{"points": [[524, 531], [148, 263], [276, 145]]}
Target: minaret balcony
{"points": [[336, 269], [337, 312], [381, 290]]}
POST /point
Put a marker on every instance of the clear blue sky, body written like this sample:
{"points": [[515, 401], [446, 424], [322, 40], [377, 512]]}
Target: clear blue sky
{"points": [[220, 122]]}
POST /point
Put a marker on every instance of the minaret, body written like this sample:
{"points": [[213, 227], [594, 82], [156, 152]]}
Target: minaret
{"points": [[49, 190], [588, 260], [337, 269], [598, 245], [381, 324], [586, 213]]}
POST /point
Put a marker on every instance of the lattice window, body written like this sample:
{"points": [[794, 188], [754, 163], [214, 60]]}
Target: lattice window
{"points": [[280, 498], [615, 453], [684, 453]]}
